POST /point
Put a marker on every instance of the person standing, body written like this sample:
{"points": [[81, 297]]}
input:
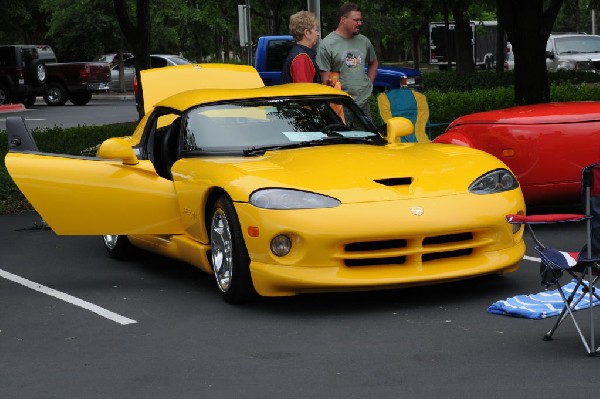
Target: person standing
{"points": [[300, 65], [348, 52]]}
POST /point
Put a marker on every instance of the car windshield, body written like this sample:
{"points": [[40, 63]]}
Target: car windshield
{"points": [[253, 126], [577, 44], [177, 60]]}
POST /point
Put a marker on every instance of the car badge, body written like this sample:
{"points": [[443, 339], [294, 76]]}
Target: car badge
{"points": [[416, 210]]}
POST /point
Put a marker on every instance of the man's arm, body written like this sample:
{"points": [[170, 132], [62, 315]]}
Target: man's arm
{"points": [[325, 77], [372, 70]]}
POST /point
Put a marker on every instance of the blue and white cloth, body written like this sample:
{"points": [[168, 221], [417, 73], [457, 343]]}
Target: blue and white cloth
{"points": [[541, 305]]}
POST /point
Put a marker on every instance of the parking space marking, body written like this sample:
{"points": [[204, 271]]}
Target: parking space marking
{"points": [[531, 258], [67, 298]]}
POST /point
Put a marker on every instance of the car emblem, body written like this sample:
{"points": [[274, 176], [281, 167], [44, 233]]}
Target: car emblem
{"points": [[416, 210]]}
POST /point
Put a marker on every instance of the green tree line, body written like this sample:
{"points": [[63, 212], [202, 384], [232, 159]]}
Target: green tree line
{"points": [[207, 30]]}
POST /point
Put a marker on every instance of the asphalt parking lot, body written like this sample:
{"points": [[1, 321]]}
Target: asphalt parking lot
{"points": [[85, 326]]}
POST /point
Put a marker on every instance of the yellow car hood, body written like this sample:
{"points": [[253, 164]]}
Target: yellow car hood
{"points": [[350, 173]]}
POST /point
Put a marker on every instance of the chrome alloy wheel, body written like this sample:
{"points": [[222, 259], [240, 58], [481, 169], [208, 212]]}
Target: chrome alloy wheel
{"points": [[222, 249], [111, 241]]}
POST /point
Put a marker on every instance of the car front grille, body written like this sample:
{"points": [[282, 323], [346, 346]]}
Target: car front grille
{"points": [[415, 250]]}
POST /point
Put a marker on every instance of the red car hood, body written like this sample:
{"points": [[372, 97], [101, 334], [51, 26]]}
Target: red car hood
{"points": [[567, 112]]}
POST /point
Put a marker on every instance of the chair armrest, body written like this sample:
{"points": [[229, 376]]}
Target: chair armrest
{"points": [[544, 219]]}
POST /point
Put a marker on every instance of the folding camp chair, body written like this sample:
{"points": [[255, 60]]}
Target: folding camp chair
{"points": [[411, 105], [583, 266]]}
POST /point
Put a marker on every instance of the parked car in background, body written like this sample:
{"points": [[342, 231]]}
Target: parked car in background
{"points": [[545, 145], [156, 61], [278, 190], [573, 51], [22, 74], [111, 58], [72, 81]]}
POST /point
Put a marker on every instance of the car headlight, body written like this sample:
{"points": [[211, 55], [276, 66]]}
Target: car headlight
{"points": [[283, 198], [493, 182]]}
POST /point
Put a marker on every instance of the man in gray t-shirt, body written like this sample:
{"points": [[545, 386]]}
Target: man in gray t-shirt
{"points": [[346, 51]]}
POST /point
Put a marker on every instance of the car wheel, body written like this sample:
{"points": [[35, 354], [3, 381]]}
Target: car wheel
{"points": [[118, 247], [80, 98], [56, 94], [5, 95], [29, 102], [230, 260]]}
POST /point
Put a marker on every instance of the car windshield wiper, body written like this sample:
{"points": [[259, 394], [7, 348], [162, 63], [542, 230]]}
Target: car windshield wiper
{"points": [[375, 140]]}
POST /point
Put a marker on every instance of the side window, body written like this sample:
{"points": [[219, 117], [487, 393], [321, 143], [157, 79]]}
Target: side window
{"points": [[277, 52], [7, 56], [156, 62], [129, 63]]}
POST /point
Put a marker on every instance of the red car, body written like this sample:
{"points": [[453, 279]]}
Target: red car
{"points": [[545, 145]]}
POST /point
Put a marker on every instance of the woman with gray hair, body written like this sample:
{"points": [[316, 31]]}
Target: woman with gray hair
{"points": [[300, 65]]}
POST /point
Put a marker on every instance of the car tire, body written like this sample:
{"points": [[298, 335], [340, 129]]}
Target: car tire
{"points": [[6, 96], [29, 102], [56, 94], [81, 97], [229, 256], [118, 246]]}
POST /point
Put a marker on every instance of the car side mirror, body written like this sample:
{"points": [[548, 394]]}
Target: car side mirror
{"points": [[117, 148], [398, 127], [550, 55]]}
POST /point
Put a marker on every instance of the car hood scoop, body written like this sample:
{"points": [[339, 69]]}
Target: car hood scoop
{"points": [[395, 181]]}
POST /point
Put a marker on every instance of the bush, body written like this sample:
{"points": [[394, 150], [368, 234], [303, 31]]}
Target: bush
{"points": [[453, 81]]}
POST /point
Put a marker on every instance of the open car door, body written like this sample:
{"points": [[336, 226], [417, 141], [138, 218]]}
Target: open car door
{"points": [[92, 196]]}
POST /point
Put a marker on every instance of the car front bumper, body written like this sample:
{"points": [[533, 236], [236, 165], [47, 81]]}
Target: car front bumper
{"points": [[382, 245]]}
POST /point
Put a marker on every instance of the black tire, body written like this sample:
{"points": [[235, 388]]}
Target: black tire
{"points": [[29, 102], [6, 96], [230, 260], [56, 94], [80, 97], [118, 247]]}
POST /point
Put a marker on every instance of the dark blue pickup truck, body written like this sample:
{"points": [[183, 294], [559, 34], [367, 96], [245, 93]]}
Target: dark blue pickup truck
{"points": [[271, 52]]}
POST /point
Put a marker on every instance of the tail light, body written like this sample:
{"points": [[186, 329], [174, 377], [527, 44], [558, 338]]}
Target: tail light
{"points": [[135, 84], [403, 81], [85, 72]]}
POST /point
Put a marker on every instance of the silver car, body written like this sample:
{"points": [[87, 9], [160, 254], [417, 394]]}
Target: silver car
{"points": [[573, 51], [156, 61]]}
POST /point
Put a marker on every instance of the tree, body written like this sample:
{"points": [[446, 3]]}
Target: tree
{"points": [[528, 26], [78, 31], [138, 37]]}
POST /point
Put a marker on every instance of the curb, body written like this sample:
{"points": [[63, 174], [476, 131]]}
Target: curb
{"points": [[12, 107]]}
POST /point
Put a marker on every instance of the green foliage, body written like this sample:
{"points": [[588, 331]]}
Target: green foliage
{"points": [[80, 140], [454, 81], [445, 106]]}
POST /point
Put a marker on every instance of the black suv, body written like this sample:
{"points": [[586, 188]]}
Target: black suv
{"points": [[22, 74]]}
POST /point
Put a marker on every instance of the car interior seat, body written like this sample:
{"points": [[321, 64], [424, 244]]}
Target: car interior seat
{"points": [[169, 149], [410, 104]]}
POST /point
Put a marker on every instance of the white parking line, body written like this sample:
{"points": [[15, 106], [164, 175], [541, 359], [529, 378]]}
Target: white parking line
{"points": [[531, 258], [67, 298]]}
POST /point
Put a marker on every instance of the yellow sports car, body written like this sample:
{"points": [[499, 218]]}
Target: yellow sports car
{"points": [[278, 190]]}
